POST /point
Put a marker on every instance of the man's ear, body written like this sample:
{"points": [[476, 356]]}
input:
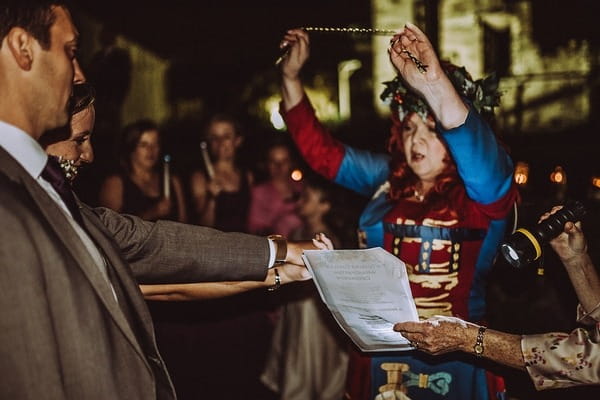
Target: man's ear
{"points": [[20, 44]]}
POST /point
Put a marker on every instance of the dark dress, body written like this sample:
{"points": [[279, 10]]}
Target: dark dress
{"points": [[231, 208], [136, 202]]}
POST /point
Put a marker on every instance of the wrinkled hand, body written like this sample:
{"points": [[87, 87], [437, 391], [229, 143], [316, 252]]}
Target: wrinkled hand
{"points": [[571, 243], [297, 45], [438, 334], [322, 242], [293, 273], [412, 39]]}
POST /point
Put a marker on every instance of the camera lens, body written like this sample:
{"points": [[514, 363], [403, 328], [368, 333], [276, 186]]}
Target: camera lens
{"points": [[525, 245]]}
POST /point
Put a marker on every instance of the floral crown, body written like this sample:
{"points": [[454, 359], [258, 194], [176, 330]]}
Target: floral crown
{"points": [[483, 94]]}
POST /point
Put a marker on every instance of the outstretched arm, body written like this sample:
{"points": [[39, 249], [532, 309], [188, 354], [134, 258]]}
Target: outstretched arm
{"points": [[439, 335], [215, 290]]}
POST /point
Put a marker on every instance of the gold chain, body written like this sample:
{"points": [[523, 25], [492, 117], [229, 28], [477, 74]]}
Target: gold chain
{"points": [[372, 31]]}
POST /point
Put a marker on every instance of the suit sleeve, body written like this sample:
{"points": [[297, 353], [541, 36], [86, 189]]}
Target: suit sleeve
{"points": [[484, 166], [171, 252], [354, 169]]}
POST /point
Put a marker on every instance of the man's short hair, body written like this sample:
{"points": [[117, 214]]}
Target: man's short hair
{"points": [[35, 16]]}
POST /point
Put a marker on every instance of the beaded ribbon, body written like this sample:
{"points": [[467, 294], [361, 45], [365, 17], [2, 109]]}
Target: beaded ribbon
{"points": [[369, 31]]}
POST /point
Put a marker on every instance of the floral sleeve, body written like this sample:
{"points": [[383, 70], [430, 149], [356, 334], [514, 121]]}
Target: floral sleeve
{"points": [[557, 360]]}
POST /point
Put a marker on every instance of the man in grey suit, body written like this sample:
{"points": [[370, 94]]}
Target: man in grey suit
{"points": [[73, 324]]}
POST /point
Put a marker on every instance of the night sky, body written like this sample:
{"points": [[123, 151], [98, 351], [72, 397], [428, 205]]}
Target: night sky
{"points": [[212, 41]]}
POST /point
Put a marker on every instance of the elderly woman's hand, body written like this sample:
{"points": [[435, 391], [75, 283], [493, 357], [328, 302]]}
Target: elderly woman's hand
{"points": [[439, 334], [407, 46], [571, 243]]}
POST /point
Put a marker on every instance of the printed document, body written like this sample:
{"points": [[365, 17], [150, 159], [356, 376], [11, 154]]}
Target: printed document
{"points": [[367, 291]]}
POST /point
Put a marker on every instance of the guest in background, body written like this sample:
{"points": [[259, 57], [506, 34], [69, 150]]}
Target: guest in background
{"points": [[308, 357], [273, 203], [139, 189], [221, 193]]}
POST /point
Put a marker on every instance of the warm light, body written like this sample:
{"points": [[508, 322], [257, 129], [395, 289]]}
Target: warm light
{"points": [[321, 99], [520, 178], [297, 175], [276, 119], [596, 181], [521, 173], [558, 176]]}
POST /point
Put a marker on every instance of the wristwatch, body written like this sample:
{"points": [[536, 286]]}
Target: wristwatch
{"points": [[478, 348], [281, 248]]}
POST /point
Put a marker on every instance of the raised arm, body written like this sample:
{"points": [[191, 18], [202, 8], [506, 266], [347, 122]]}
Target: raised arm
{"points": [[357, 170]]}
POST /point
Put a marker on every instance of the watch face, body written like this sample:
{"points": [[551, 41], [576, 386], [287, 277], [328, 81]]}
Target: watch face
{"points": [[478, 349]]}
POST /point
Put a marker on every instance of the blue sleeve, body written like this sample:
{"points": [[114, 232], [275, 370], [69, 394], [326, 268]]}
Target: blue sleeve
{"points": [[483, 165], [362, 171]]}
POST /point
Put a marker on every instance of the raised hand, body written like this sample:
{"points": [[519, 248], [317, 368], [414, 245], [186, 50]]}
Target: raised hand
{"points": [[571, 243], [296, 45], [413, 56], [410, 44]]}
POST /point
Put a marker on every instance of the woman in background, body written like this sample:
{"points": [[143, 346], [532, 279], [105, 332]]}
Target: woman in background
{"points": [[139, 188], [221, 193], [273, 203]]}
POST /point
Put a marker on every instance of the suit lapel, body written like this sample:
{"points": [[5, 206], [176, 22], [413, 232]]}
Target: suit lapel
{"points": [[61, 226], [120, 269]]}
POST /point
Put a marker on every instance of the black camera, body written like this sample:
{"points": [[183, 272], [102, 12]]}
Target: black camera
{"points": [[525, 245]]}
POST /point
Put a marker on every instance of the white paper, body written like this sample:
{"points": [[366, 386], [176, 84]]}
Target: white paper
{"points": [[367, 291]]}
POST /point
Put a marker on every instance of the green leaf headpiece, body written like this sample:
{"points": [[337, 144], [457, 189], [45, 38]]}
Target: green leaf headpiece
{"points": [[483, 94]]}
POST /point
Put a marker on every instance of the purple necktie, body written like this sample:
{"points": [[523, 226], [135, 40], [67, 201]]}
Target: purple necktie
{"points": [[54, 174]]}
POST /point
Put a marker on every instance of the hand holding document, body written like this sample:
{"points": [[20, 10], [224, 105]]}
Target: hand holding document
{"points": [[367, 291]]}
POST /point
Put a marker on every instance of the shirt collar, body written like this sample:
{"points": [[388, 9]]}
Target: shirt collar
{"points": [[23, 148]]}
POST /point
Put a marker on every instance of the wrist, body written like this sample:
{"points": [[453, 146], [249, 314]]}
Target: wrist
{"points": [[478, 344], [276, 281], [281, 248]]}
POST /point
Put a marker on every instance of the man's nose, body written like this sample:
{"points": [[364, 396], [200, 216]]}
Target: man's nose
{"points": [[78, 75], [87, 155]]}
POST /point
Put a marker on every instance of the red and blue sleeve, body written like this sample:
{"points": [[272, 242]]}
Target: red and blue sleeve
{"points": [[358, 170]]}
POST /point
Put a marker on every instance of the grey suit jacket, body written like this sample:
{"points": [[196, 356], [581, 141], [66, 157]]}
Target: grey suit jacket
{"points": [[62, 333]]}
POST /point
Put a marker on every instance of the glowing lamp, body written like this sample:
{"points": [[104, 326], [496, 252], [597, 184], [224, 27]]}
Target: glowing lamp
{"points": [[296, 175], [558, 176], [521, 173]]}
